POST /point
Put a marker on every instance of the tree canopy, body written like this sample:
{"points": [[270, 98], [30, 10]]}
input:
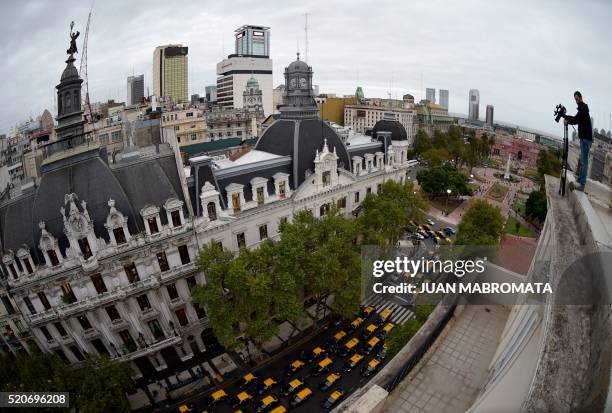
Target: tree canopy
{"points": [[437, 179], [548, 163], [535, 207], [482, 224]]}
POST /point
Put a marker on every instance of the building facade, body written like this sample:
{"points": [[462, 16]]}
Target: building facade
{"points": [[430, 94], [520, 150], [135, 89], [252, 40], [473, 102], [489, 117], [170, 73], [444, 98], [189, 125]]}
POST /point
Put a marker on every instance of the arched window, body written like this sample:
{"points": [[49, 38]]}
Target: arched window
{"points": [[212, 211], [59, 103], [75, 96], [67, 101]]}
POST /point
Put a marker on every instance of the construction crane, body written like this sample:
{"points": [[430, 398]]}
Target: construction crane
{"points": [[83, 70]]}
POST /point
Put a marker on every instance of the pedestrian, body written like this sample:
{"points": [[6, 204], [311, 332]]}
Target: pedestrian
{"points": [[585, 134]]}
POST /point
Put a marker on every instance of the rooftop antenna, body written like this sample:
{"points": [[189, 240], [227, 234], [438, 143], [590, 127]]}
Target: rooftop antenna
{"points": [[83, 67], [306, 34]]}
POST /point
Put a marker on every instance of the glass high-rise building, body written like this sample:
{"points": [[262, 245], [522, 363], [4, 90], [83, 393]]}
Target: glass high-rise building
{"points": [[444, 98], [430, 94], [170, 72], [135, 89], [473, 104], [252, 40], [489, 118]]}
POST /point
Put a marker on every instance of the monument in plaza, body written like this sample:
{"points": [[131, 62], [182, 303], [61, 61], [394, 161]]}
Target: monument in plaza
{"points": [[507, 172]]}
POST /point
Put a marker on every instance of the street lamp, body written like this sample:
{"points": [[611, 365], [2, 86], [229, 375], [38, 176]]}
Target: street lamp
{"points": [[448, 192]]}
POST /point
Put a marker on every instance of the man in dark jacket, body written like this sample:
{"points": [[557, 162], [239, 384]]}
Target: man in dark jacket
{"points": [[585, 134]]}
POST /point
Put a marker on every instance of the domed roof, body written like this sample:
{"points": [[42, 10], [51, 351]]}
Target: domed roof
{"points": [[398, 132], [70, 72], [298, 66], [301, 139], [252, 82]]}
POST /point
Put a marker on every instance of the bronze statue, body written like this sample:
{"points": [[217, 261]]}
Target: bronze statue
{"points": [[73, 36]]}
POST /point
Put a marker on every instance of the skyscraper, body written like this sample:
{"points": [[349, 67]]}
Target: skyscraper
{"points": [[211, 93], [250, 59], [430, 94], [444, 98], [170, 72], [135, 89], [473, 104], [489, 119]]}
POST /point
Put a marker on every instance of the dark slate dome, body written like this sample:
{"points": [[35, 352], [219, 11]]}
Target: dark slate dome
{"points": [[70, 72], [398, 132], [301, 139], [298, 66]]}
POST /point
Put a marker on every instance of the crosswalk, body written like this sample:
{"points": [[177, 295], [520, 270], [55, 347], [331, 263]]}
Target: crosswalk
{"points": [[399, 314]]}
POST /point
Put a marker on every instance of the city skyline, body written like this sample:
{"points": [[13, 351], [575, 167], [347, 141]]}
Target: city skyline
{"points": [[524, 90]]}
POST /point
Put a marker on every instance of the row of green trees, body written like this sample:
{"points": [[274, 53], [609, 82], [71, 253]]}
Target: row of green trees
{"points": [[439, 178], [95, 386], [250, 294]]}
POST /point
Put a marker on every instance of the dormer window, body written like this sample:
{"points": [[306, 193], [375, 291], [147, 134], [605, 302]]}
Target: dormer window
{"points": [[174, 212], [281, 189], [13, 270], [116, 225], [176, 219], [84, 247], [260, 196], [53, 260], [25, 259], [150, 216], [236, 202], [259, 189], [152, 223], [326, 178], [211, 208], [235, 197], [281, 184], [119, 236]]}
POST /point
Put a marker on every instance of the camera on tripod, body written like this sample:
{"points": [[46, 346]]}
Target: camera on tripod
{"points": [[560, 112]]}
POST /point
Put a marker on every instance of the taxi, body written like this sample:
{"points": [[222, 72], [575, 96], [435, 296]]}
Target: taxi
{"points": [[247, 379], [440, 234], [370, 330], [386, 329], [329, 381], [183, 408], [384, 315], [447, 240], [323, 366], [301, 397], [353, 362], [292, 386], [217, 397], [367, 311], [370, 368], [332, 399], [337, 338], [316, 353], [355, 324], [266, 403], [279, 409], [266, 385], [242, 398], [348, 347], [436, 239], [372, 344], [294, 367], [423, 233], [425, 227]]}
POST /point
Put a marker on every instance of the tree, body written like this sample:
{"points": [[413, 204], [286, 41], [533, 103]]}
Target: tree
{"points": [[482, 224], [436, 156], [535, 207], [386, 215], [548, 163], [422, 142], [438, 179]]}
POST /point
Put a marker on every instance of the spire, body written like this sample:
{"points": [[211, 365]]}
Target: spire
{"points": [[298, 56], [325, 148]]}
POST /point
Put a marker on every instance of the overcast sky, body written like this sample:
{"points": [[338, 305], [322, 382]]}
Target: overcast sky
{"points": [[523, 56]]}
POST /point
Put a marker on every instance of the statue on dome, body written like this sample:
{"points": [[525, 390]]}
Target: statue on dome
{"points": [[73, 36]]}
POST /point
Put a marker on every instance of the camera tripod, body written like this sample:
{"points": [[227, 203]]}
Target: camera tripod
{"points": [[563, 179]]}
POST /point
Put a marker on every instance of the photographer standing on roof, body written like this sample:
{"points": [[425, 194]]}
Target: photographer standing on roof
{"points": [[585, 134]]}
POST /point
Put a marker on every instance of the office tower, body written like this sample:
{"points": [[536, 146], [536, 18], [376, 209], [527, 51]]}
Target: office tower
{"points": [[444, 98], [235, 71], [430, 94], [253, 40], [489, 119], [135, 89], [170, 72], [211, 93], [473, 104]]}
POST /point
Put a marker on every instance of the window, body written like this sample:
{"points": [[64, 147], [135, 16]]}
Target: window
{"points": [[162, 261], [241, 240], [326, 178], [99, 346], [62, 355], [84, 246], [46, 333], [194, 136], [69, 296], [84, 322], [176, 218], [211, 208], [177, 127], [43, 299], [152, 221], [342, 203], [156, 330], [143, 302], [378, 187], [28, 304], [127, 339], [323, 209], [60, 329], [263, 232], [178, 139], [98, 283], [236, 202], [260, 196], [184, 253], [104, 139], [77, 353], [283, 220], [7, 304], [357, 196], [53, 257], [116, 136], [182, 317], [27, 265], [172, 293], [112, 312], [119, 235], [200, 312], [191, 281], [132, 273], [189, 114], [281, 189], [368, 190], [12, 270]]}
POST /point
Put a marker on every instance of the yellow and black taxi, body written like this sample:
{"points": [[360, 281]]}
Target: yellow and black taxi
{"points": [[332, 399], [440, 234], [247, 380], [370, 330], [367, 311], [242, 398], [301, 397], [384, 315], [349, 347], [355, 324], [330, 381], [266, 385], [353, 361], [217, 397], [322, 366], [279, 409], [316, 354], [293, 386], [370, 368], [338, 337], [184, 408], [294, 367], [386, 329], [266, 403], [372, 344]]}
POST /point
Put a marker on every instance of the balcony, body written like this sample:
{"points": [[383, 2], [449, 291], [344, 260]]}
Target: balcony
{"points": [[90, 333], [176, 272], [43, 316], [118, 323], [150, 349], [148, 314]]}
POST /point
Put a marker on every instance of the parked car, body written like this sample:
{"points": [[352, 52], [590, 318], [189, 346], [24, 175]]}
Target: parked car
{"points": [[329, 381], [431, 222], [266, 385], [332, 399], [348, 347], [293, 386], [242, 398], [370, 368], [372, 344], [301, 397], [247, 380], [316, 354], [294, 367], [370, 330], [322, 367], [266, 403], [353, 361], [449, 231]]}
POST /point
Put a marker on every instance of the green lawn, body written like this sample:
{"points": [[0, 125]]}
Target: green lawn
{"points": [[497, 192], [519, 207], [520, 230]]}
